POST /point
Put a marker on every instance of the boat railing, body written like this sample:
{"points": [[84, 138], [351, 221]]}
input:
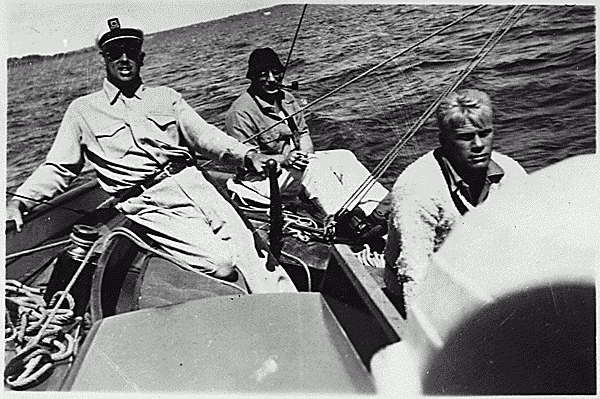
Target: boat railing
{"points": [[59, 214], [362, 308]]}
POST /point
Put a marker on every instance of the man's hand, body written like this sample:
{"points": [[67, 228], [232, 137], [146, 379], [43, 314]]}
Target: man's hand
{"points": [[257, 161], [13, 212], [297, 159]]}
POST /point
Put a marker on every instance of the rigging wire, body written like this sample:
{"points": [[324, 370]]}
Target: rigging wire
{"points": [[367, 72], [388, 159], [362, 75], [294, 41], [37, 249]]}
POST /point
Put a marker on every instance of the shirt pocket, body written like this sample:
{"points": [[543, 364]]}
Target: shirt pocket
{"points": [[273, 140], [115, 140], [167, 124]]}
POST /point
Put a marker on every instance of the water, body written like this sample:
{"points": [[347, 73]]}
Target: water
{"points": [[541, 78]]}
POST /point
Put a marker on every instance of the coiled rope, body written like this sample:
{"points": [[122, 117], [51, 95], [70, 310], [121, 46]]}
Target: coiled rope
{"points": [[42, 337], [33, 362]]}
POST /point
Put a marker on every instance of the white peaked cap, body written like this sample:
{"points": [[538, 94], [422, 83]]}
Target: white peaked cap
{"points": [[118, 28]]}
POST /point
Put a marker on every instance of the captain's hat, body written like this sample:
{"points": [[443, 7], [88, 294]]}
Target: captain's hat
{"points": [[119, 29]]}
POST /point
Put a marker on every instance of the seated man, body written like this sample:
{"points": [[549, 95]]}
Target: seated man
{"points": [[328, 178], [141, 141], [432, 194]]}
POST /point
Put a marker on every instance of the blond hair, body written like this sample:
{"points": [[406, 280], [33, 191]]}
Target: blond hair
{"points": [[462, 107]]}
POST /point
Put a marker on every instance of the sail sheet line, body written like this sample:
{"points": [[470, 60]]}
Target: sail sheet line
{"points": [[515, 14], [367, 72]]}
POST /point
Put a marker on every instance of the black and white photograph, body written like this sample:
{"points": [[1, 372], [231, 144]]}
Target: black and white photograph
{"points": [[274, 198]]}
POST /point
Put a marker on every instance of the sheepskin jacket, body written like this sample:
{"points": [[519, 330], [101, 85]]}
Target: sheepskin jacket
{"points": [[423, 214]]}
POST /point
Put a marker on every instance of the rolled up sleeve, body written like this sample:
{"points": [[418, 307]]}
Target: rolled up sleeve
{"points": [[207, 139], [63, 163]]}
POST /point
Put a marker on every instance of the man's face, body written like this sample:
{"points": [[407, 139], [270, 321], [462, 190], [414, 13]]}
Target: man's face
{"points": [[268, 81], [123, 63], [470, 147]]}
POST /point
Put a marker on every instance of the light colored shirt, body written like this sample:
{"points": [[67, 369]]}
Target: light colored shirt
{"points": [[249, 115], [126, 140], [460, 191], [424, 213]]}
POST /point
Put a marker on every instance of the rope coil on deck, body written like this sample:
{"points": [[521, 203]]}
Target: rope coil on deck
{"points": [[36, 321], [292, 220]]}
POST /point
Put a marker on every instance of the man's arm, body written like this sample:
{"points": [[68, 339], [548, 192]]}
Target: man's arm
{"points": [[411, 239], [208, 139], [63, 163], [306, 144], [213, 142], [241, 127]]}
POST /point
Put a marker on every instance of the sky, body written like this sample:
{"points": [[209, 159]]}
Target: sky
{"points": [[56, 26]]}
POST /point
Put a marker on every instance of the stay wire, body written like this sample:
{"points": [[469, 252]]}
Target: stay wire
{"points": [[362, 75], [378, 171], [294, 41], [388, 159], [367, 72]]}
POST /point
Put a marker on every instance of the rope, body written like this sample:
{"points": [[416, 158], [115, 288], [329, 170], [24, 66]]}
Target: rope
{"points": [[362, 75], [388, 159], [64, 293], [294, 224], [52, 343], [304, 265], [35, 365], [17, 287], [33, 250], [370, 258], [121, 231]]}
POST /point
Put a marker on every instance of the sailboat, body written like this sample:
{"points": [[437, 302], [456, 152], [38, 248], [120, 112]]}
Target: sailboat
{"points": [[150, 324]]}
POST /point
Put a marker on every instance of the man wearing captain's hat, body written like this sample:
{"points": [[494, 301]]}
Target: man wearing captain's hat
{"points": [[141, 141]]}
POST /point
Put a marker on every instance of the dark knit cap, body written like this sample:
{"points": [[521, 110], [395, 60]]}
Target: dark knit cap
{"points": [[261, 60]]}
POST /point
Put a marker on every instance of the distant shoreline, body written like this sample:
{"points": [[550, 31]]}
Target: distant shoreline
{"points": [[32, 58]]}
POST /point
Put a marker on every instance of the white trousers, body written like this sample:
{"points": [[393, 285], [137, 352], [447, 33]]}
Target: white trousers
{"points": [[188, 218], [330, 180]]}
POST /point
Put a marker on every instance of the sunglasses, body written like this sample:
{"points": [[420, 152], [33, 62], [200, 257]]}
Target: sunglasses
{"points": [[265, 74], [116, 52]]}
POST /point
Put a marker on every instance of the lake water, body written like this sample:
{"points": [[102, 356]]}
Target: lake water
{"points": [[541, 78]]}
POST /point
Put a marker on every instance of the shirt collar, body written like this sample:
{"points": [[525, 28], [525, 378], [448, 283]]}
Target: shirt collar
{"points": [[264, 104], [267, 106], [112, 92], [494, 173]]}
